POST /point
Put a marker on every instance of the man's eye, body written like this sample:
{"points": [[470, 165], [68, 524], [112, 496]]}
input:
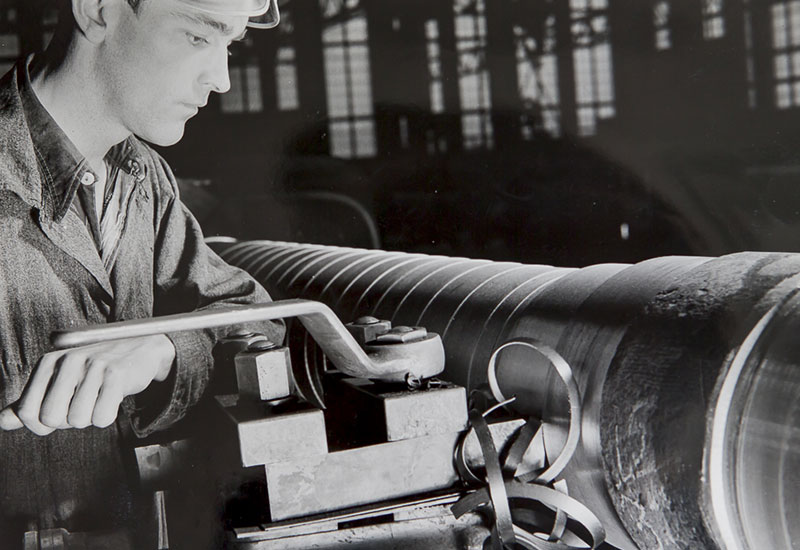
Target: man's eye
{"points": [[195, 40]]}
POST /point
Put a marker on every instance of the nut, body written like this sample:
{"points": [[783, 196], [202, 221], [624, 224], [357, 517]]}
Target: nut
{"points": [[367, 329]]}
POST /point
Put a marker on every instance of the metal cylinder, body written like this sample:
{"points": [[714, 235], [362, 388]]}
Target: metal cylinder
{"points": [[687, 369]]}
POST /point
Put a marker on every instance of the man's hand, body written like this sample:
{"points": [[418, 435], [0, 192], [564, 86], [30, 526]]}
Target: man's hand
{"points": [[81, 387]]}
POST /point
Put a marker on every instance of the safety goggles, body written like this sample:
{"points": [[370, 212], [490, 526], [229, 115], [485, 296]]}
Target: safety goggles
{"points": [[263, 14]]}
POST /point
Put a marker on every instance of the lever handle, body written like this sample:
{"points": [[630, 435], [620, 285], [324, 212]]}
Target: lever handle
{"points": [[394, 362]]}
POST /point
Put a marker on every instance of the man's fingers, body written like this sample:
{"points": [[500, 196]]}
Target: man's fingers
{"points": [[30, 404], [61, 390], [9, 420], [107, 406], [83, 402]]}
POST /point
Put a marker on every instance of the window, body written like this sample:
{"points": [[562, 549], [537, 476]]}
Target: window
{"points": [[663, 36], [286, 79], [594, 87], [537, 74], [434, 142], [713, 22], [473, 76], [245, 74], [786, 59], [348, 80], [286, 90], [434, 66]]}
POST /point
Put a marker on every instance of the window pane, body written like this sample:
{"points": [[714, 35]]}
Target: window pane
{"points": [[365, 138], [779, 26], [286, 77], [233, 101], [782, 66], [340, 140], [783, 95]]}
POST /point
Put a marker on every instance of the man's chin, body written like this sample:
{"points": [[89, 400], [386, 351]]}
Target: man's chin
{"points": [[164, 138]]}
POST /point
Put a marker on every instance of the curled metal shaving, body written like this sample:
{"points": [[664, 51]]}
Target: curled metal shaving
{"points": [[509, 516], [552, 499], [460, 459], [573, 395]]}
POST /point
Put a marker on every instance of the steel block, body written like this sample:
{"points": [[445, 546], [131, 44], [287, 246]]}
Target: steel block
{"points": [[364, 475], [264, 372], [275, 433], [315, 484], [408, 414]]}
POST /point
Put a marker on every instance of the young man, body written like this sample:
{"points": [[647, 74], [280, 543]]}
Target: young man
{"points": [[92, 231]]}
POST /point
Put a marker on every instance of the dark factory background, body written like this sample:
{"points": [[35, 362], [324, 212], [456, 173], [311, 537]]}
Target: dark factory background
{"points": [[567, 132]]}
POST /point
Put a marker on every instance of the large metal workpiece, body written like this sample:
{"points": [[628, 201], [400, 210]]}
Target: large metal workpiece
{"points": [[687, 370]]}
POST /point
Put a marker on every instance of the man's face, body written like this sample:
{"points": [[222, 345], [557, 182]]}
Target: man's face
{"points": [[158, 66]]}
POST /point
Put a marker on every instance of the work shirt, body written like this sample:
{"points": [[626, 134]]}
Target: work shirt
{"points": [[54, 278]]}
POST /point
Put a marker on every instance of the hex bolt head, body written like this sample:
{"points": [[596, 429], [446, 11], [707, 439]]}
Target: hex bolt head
{"points": [[263, 372], [366, 329]]}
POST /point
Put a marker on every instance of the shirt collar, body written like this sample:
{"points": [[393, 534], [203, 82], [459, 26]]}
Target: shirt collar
{"points": [[62, 165]]}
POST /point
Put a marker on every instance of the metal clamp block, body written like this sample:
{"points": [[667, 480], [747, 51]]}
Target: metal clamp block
{"points": [[267, 434], [408, 414], [367, 329], [263, 371]]}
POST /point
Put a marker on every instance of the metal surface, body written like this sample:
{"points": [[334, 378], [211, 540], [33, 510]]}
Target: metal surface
{"points": [[401, 509], [313, 484], [364, 475], [158, 464], [649, 344], [263, 372], [268, 434], [408, 414], [754, 455], [383, 362], [442, 533]]}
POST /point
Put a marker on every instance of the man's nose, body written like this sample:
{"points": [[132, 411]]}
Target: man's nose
{"points": [[216, 75]]}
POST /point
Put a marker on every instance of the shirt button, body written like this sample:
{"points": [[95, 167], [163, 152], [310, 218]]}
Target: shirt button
{"points": [[87, 178]]}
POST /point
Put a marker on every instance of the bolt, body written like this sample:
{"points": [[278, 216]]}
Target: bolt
{"points": [[241, 333], [401, 330], [262, 345], [367, 320]]}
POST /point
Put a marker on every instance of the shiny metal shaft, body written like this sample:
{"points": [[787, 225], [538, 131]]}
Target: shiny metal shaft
{"points": [[651, 346]]}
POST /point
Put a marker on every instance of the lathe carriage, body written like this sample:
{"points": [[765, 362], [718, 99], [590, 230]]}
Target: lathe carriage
{"points": [[471, 404]]}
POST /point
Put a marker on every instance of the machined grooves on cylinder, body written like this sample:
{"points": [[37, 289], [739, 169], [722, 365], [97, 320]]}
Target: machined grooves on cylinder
{"points": [[647, 343]]}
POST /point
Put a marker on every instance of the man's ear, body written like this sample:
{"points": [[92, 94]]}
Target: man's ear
{"points": [[91, 17]]}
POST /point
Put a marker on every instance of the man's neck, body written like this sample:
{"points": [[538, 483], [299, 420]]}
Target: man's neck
{"points": [[71, 96]]}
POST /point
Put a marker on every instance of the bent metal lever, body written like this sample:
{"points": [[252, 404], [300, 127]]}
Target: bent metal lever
{"points": [[391, 362]]}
